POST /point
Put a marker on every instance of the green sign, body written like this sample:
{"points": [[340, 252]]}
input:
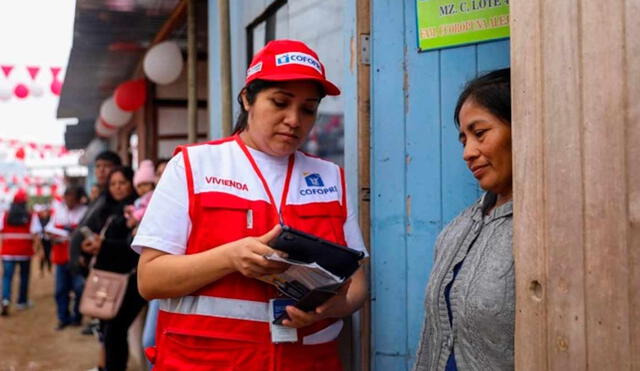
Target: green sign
{"points": [[444, 23]]}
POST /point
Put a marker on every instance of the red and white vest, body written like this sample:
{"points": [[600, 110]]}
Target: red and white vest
{"points": [[17, 242], [62, 222], [229, 200]]}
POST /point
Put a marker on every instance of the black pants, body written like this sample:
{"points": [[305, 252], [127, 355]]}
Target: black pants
{"points": [[46, 256], [114, 331]]}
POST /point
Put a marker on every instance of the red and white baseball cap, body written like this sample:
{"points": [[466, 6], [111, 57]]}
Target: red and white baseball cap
{"points": [[284, 60]]}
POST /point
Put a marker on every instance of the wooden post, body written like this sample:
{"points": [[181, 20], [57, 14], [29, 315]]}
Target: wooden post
{"points": [[632, 146], [226, 102], [192, 67], [528, 233], [363, 29], [576, 96]]}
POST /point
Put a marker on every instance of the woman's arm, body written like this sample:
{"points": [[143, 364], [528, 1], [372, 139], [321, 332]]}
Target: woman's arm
{"points": [[349, 299], [163, 275]]}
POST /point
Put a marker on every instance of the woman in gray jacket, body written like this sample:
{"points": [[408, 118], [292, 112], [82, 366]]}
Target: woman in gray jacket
{"points": [[470, 300]]}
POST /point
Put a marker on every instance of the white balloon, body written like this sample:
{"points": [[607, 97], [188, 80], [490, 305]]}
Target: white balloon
{"points": [[163, 62], [5, 91], [36, 90], [112, 114], [104, 131]]}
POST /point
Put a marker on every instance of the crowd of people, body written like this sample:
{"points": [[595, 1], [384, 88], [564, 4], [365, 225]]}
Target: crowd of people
{"points": [[207, 225], [53, 232]]}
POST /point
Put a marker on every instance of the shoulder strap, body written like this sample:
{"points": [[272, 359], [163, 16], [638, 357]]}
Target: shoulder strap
{"points": [[106, 225]]}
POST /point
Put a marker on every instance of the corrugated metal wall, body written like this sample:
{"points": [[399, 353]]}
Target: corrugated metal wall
{"points": [[419, 181]]}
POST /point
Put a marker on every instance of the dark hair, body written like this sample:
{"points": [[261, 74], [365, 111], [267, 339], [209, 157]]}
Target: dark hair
{"points": [[492, 91], [109, 156], [161, 161], [18, 214], [76, 191], [127, 172], [112, 206], [252, 89]]}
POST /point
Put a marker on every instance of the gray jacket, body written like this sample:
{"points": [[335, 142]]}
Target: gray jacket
{"points": [[482, 296]]}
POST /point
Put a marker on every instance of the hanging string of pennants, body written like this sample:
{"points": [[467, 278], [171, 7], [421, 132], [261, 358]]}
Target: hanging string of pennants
{"points": [[22, 82], [34, 186], [16, 150]]}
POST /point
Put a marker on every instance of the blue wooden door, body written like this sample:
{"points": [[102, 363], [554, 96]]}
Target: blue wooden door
{"points": [[419, 181]]}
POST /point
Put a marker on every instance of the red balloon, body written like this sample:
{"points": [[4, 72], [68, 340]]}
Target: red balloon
{"points": [[21, 91], [56, 87], [131, 95]]}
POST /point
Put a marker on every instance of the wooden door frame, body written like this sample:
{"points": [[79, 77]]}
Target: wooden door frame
{"points": [[363, 32]]}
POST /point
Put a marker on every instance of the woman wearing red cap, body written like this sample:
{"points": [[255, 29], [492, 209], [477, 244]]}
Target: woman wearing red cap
{"points": [[17, 250], [224, 201]]}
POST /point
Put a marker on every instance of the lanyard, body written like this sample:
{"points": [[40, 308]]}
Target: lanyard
{"points": [[287, 180]]}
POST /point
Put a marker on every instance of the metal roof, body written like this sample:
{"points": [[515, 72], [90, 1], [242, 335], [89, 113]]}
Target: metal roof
{"points": [[109, 40]]}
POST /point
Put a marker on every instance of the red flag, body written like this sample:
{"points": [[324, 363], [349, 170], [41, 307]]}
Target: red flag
{"points": [[6, 70], [33, 71], [55, 71]]}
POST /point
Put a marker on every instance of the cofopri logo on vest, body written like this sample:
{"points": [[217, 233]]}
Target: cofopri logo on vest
{"points": [[316, 184], [313, 180]]}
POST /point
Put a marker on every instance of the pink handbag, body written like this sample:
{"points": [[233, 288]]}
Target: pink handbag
{"points": [[103, 290], [103, 293]]}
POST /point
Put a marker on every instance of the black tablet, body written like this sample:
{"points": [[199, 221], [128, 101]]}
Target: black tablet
{"points": [[307, 248]]}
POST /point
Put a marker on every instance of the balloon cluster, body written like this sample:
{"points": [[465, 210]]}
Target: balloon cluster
{"points": [[162, 65]]}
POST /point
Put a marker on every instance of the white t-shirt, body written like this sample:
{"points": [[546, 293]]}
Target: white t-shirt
{"points": [[35, 227], [169, 206], [62, 216]]}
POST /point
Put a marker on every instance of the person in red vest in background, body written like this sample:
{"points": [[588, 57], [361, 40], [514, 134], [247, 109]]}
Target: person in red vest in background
{"points": [[65, 220], [205, 234], [17, 250]]}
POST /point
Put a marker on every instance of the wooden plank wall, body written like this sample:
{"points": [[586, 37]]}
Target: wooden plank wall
{"points": [[419, 181], [632, 135], [576, 133]]}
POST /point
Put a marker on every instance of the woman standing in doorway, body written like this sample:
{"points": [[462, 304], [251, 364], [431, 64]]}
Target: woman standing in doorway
{"points": [[224, 201], [470, 300]]}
